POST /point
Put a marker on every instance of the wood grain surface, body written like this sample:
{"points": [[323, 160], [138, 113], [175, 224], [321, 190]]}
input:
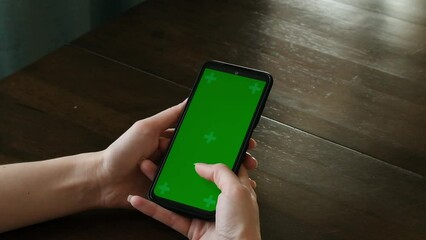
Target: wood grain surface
{"points": [[359, 85], [342, 143]]}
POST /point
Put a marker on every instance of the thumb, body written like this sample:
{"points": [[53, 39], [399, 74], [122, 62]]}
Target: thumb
{"points": [[220, 174], [166, 118]]}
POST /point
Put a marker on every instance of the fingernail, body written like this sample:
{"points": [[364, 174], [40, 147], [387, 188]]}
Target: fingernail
{"points": [[257, 162], [198, 164], [129, 198]]}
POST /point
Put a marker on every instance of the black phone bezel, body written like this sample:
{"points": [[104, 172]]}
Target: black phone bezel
{"points": [[229, 68]]}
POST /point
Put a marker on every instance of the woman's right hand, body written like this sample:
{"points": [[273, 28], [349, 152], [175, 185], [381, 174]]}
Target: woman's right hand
{"points": [[237, 212]]}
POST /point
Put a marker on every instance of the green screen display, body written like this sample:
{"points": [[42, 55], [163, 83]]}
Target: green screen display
{"points": [[213, 130]]}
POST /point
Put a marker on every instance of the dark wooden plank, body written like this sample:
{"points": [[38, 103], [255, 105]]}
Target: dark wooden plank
{"points": [[90, 91], [29, 134], [374, 40], [338, 30], [331, 191], [99, 224], [408, 10], [359, 86]]}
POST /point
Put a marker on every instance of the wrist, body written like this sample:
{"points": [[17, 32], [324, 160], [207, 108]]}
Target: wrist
{"points": [[242, 231], [85, 179]]}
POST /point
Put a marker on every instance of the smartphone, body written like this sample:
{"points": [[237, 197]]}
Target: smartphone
{"points": [[222, 111]]}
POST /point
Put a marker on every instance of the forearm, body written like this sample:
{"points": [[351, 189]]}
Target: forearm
{"points": [[38, 191]]}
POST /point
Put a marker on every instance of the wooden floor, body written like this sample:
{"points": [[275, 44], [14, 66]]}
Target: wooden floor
{"points": [[342, 141]]}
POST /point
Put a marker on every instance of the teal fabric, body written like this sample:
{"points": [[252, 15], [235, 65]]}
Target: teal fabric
{"points": [[30, 29]]}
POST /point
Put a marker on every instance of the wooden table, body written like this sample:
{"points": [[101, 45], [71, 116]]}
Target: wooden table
{"points": [[342, 143]]}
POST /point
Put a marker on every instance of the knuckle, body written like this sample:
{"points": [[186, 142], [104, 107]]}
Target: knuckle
{"points": [[240, 191], [221, 167], [143, 126]]}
